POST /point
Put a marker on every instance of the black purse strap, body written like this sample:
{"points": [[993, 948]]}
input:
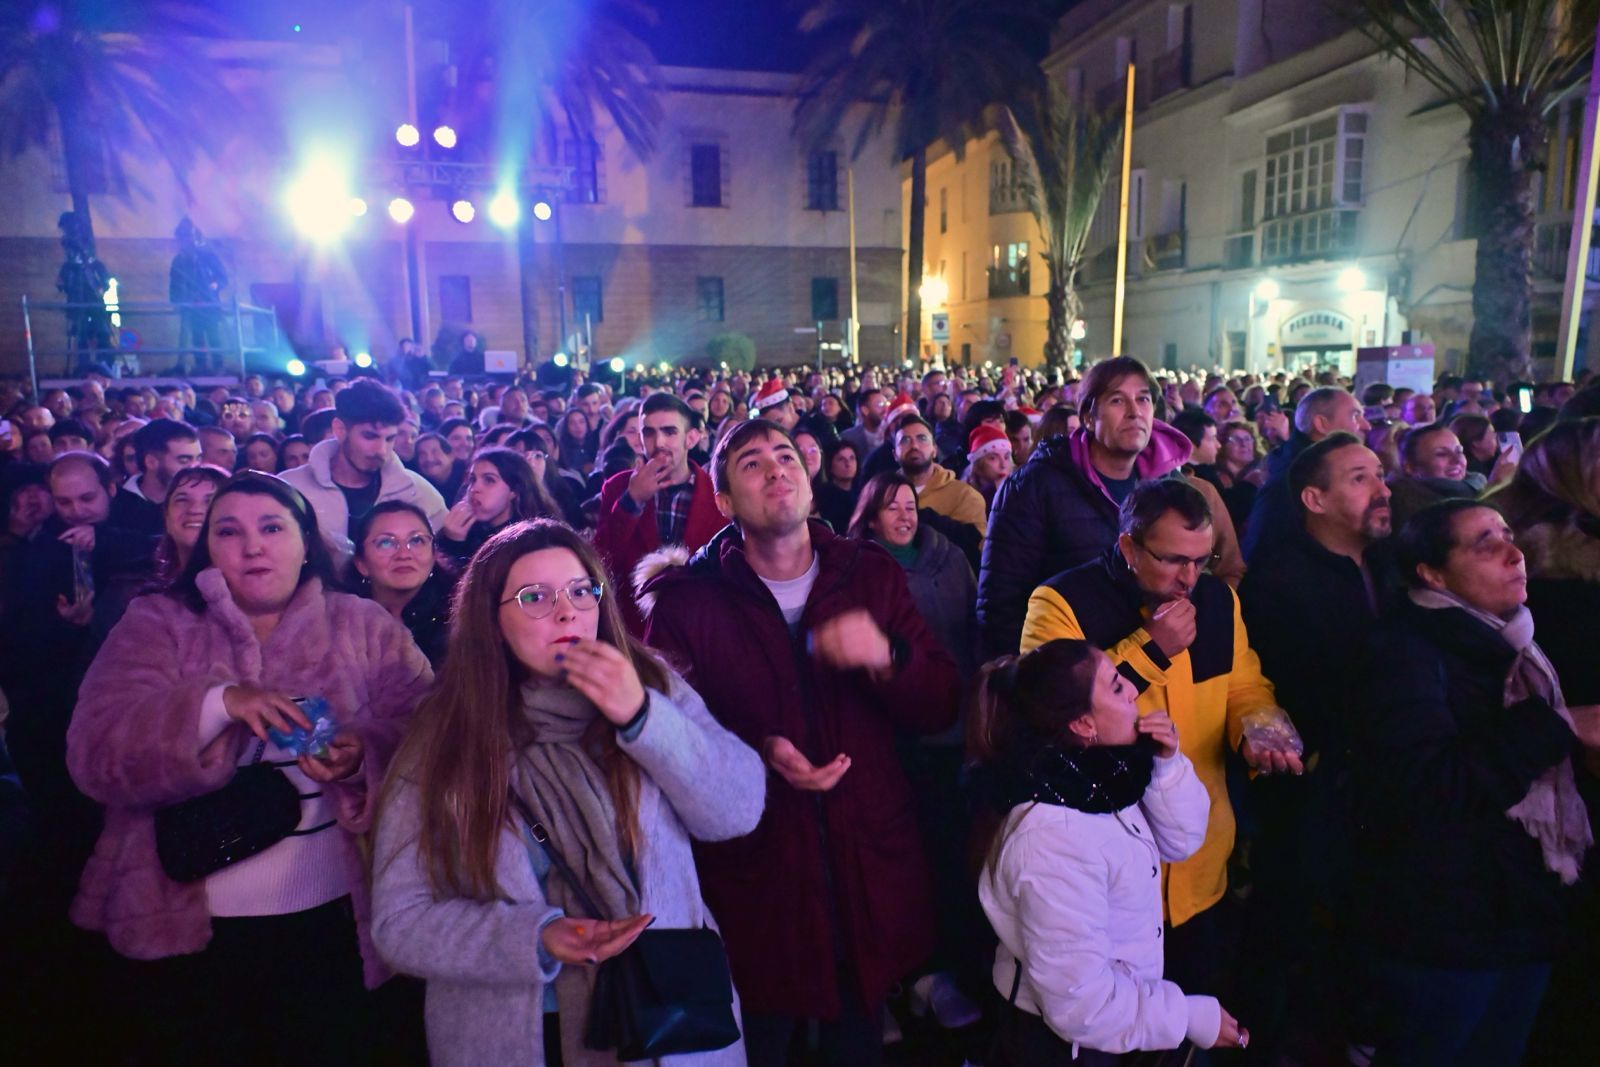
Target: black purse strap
{"points": [[542, 836]]}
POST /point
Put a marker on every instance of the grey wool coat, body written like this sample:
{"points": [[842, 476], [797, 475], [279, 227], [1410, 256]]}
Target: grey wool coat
{"points": [[486, 983]]}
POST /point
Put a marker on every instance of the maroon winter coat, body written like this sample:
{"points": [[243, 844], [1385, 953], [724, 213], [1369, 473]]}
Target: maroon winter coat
{"points": [[623, 538], [842, 868]]}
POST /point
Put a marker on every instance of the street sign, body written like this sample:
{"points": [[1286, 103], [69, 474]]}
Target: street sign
{"points": [[941, 325]]}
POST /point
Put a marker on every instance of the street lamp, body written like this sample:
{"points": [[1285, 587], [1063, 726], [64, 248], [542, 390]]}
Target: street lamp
{"points": [[1352, 280], [1268, 289]]}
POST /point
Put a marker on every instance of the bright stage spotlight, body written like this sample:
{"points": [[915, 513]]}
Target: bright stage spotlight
{"points": [[407, 135], [444, 137], [363, 360], [542, 210], [559, 359], [295, 367], [401, 210], [358, 207], [462, 211], [618, 365], [318, 201], [504, 210]]}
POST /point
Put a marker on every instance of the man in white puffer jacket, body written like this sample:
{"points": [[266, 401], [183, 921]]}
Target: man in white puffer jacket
{"points": [[1074, 887]]}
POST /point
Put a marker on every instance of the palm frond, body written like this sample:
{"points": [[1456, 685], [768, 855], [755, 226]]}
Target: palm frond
{"points": [[1486, 55]]}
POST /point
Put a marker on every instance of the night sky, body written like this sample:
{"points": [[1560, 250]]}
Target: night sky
{"points": [[728, 34]]}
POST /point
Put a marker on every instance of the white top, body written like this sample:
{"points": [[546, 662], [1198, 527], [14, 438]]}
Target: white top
{"points": [[792, 594], [1076, 898], [297, 873]]}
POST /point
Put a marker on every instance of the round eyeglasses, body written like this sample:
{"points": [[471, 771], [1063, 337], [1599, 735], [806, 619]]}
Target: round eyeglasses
{"points": [[538, 601], [388, 544]]}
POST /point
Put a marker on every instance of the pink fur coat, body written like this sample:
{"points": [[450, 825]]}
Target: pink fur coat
{"points": [[133, 743]]}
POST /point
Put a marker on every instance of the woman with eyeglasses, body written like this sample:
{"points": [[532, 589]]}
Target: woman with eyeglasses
{"points": [[394, 565], [1473, 834], [547, 703]]}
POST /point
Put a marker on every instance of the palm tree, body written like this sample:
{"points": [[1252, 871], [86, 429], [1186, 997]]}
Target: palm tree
{"points": [[1062, 153], [107, 82], [534, 75], [926, 71], [1508, 64]]}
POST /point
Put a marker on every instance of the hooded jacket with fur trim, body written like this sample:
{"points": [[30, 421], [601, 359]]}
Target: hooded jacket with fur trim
{"points": [[840, 871]]}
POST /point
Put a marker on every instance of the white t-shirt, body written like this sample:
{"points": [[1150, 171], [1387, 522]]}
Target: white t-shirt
{"points": [[792, 594]]}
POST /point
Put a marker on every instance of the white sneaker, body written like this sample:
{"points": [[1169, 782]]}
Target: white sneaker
{"points": [[952, 1009]]}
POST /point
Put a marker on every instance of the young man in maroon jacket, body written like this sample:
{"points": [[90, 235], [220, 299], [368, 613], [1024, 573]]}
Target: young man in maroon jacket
{"points": [[810, 648], [668, 501]]}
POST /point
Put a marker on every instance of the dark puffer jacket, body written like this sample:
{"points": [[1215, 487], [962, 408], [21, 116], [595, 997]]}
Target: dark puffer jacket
{"points": [[1051, 515], [823, 873], [1443, 877]]}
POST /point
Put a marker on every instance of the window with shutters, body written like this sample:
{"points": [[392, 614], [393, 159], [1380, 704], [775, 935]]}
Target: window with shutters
{"points": [[822, 181]]}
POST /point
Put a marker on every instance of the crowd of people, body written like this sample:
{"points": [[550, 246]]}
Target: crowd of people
{"points": [[1236, 717]]}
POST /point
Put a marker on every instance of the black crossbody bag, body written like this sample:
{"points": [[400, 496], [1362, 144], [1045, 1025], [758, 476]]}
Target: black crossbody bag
{"points": [[669, 992], [256, 809]]}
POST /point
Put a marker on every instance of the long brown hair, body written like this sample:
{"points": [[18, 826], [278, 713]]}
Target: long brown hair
{"points": [[875, 496], [1024, 704], [1552, 479], [458, 750]]}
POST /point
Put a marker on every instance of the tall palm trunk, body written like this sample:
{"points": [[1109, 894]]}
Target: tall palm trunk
{"points": [[919, 211], [1057, 298], [77, 148], [1506, 145]]}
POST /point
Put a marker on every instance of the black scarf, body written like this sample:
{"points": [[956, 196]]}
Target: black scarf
{"points": [[1096, 780]]}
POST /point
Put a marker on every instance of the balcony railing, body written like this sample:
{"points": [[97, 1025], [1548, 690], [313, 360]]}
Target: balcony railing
{"points": [[1165, 251], [1551, 238], [1004, 199], [1324, 234]]}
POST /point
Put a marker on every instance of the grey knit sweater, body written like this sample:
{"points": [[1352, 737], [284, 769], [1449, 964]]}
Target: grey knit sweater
{"points": [[486, 983]]}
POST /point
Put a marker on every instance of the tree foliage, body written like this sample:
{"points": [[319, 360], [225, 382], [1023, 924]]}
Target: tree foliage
{"points": [[1062, 154], [915, 72], [106, 83], [1507, 64]]}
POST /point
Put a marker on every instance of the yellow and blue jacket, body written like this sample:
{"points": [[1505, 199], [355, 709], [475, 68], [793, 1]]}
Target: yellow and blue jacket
{"points": [[1207, 688]]}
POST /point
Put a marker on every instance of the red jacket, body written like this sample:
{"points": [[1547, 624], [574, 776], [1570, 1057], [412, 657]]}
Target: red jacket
{"points": [[623, 538], [843, 868]]}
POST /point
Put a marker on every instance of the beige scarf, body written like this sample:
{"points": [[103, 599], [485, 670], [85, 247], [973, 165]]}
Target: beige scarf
{"points": [[1552, 812]]}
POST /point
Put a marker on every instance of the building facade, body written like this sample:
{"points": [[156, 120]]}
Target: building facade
{"points": [[729, 226], [1293, 195]]}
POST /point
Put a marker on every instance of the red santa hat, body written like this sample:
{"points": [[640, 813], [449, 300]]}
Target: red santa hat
{"points": [[903, 402], [986, 440], [771, 394], [1032, 414]]}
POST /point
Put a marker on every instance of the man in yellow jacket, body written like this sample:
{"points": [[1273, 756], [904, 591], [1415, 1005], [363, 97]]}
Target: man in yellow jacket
{"points": [[937, 487], [1176, 633]]}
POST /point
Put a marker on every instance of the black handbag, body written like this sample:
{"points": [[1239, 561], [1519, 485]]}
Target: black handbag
{"points": [[256, 809], [669, 992]]}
